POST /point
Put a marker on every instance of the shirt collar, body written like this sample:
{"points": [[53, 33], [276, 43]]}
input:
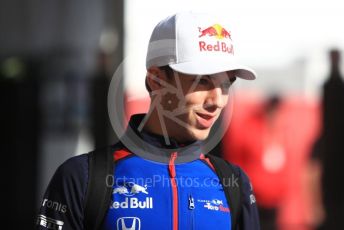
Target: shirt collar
{"points": [[153, 146]]}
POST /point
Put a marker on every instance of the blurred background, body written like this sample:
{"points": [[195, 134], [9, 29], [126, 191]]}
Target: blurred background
{"points": [[57, 59]]}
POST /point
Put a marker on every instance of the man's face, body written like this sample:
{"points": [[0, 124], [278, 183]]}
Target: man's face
{"points": [[201, 100]]}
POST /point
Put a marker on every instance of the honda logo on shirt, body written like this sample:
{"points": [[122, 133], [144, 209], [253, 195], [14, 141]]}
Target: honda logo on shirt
{"points": [[128, 223]]}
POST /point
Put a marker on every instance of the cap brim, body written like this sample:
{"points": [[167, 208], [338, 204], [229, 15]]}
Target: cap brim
{"points": [[203, 67]]}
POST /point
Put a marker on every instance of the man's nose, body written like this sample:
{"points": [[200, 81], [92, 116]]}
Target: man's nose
{"points": [[216, 98]]}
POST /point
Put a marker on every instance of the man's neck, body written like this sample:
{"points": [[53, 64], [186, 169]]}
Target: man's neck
{"points": [[155, 126]]}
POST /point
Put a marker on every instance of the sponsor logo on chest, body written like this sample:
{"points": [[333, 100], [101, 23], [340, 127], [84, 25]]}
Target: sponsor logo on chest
{"points": [[214, 205], [133, 202], [129, 190], [129, 223]]}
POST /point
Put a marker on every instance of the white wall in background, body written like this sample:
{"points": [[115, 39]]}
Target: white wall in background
{"points": [[268, 34]]}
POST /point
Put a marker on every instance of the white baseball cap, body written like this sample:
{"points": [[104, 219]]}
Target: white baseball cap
{"points": [[195, 44]]}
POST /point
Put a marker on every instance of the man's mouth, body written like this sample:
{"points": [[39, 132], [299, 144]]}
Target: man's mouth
{"points": [[205, 120]]}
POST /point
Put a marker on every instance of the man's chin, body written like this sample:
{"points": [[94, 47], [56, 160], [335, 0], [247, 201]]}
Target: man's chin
{"points": [[201, 135]]}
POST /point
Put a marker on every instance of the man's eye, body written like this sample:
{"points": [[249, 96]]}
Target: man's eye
{"points": [[203, 81]]}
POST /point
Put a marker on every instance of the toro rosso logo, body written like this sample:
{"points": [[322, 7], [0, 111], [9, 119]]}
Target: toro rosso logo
{"points": [[214, 205], [218, 32], [130, 189]]}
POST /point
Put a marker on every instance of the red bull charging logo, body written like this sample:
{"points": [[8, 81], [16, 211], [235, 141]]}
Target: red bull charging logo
{"points": [[219, 33], [216, 30]]}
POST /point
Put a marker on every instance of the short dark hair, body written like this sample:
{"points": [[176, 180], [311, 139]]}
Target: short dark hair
{"points": [[169, 73]]}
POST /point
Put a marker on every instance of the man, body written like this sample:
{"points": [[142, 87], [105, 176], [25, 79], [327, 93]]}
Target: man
{"points": [[162, 179]]}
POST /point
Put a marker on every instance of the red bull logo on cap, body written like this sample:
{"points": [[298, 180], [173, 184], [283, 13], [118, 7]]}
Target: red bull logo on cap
{"points": [[218, 32]]}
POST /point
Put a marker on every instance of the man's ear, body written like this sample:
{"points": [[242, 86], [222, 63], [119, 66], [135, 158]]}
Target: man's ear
{"points": [[154, 77]]}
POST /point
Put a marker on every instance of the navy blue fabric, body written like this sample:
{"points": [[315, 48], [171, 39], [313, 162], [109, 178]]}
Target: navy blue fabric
{"points": [[68, 187], [142, 195], [64, 198], [249, 216]]}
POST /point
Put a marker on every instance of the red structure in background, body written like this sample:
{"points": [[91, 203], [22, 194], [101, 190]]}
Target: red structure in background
{"points": [[134, 106], [273, 145]]}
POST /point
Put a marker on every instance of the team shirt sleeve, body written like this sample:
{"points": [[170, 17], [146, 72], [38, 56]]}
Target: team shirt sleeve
{"points": [[62, 206], [249, 217]]}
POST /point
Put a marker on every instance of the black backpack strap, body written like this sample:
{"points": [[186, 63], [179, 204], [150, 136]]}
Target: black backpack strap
{"points": [[99, 189], [231, 183]]}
